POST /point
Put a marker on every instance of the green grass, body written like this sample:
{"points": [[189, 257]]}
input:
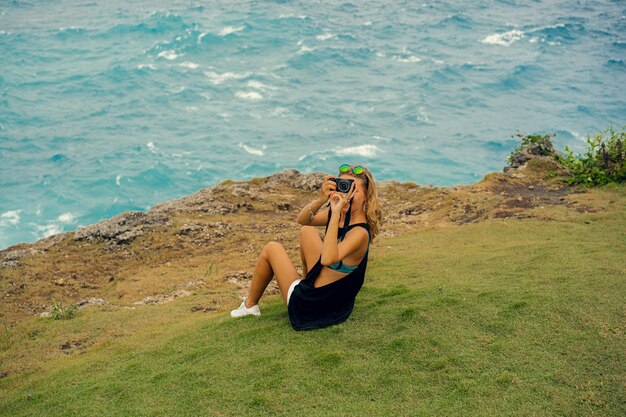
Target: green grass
{"points": [[499, 318]]}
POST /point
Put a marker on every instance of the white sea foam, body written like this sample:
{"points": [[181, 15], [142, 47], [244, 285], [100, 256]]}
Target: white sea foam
{"points": [[305, 48], [229, 29], [503, 39], [322, 155], [191, 108], [190, 65], [151, 147], [149, 66], [251, 150], [325, 36], [422, 116], [288, 16], [10, 218], [279, 111], [66, 218], [259, 85], [169, 55], [117, 179], [368, 151], [249, 95], [202, 35], [48, 229], [410, 58], [220, 78]]}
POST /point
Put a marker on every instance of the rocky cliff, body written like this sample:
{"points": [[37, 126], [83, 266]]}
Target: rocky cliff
{"points": [[210, 240]]}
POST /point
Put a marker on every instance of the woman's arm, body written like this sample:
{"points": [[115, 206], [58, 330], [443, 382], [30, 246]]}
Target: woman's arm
{"points": [[332, 251], [307, 214], [304, 218], [329, 249]]}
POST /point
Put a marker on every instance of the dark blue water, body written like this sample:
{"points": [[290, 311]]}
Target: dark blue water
{"points": [[113, 106]]}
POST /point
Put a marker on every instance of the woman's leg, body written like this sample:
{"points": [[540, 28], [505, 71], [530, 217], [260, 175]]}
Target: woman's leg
{"points": [[273, 261]]}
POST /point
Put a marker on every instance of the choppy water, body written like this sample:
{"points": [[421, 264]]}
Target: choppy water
{"points": [[109, 106]]}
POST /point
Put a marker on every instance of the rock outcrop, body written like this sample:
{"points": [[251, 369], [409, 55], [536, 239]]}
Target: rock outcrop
{"points": [[215, 235]]}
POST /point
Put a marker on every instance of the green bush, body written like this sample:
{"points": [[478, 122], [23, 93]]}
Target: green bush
{"points": [[531, 146], [61, 312], [535, 144], [603, 162]]}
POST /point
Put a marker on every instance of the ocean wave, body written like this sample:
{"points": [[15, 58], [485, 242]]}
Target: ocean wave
{"points": [[59, 158], [152, 147], [10, 218], [291, 16], [189, 65], [249, 95], [148, 66], [615, 63], [259, 85], [323, 59], [169, 55], [66, 218], [156, 23], [230, 29], [458, 20], [325, 36], [217, 78], [71, 32], [503, 39], [367, 151], [557, 33], [253, 151], [46, 230], [523, 75]]}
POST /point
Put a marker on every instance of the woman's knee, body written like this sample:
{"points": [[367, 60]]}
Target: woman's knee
{"points": [[269, 247], [306, 231]]}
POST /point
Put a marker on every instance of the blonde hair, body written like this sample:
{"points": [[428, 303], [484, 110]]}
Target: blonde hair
{"points": [[372, 209]]}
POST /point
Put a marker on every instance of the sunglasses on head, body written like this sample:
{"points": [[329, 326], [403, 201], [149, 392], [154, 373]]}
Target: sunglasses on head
{"points": [[357, 170]]}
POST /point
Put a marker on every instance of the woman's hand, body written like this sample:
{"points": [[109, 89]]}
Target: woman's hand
{"points": [[328, 186], [339, 200]]}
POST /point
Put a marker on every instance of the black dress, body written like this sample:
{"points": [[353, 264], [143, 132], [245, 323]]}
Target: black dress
{"points": [[313, 308]]}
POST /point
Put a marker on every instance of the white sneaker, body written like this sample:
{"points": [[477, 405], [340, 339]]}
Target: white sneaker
{"points": [[245, 311]]}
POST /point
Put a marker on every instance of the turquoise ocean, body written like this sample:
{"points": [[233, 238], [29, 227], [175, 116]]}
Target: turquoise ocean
{"points": [[110, 106]]}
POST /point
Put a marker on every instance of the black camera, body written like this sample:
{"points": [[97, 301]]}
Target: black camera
{"points": [[343, 186]]}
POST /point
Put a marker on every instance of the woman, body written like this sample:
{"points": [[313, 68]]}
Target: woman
{"points": [[334, 268]]}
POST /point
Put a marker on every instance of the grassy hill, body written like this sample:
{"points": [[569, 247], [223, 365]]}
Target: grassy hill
{"points": [[520, 316]]}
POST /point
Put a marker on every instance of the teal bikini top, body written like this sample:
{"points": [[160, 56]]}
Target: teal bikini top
{"points": [[340, 266]]}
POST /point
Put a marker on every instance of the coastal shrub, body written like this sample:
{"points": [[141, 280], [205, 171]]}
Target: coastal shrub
{"points": [[62, 312], [603, 162], [529, 147]]}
